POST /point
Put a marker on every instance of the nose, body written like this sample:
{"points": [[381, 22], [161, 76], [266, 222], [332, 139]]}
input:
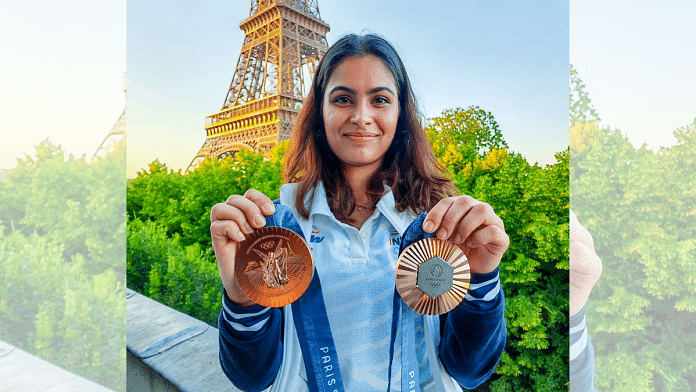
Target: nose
{"points": [[362, 113]]}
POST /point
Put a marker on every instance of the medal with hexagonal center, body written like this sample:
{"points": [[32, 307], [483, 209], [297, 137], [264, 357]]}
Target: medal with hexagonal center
{"points": [[435, 276], [432, 276]]}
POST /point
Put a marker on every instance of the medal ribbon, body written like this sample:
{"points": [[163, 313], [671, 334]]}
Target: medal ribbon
{"points": [[410, 376], [316, 341], [312, 323]]}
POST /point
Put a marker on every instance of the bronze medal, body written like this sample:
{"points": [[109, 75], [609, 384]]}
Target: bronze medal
{"points": [[274, 266], [432, 276]]}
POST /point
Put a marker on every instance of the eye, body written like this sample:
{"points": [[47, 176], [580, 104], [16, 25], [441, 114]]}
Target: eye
{"points": [[341, 100], [380, 100]]}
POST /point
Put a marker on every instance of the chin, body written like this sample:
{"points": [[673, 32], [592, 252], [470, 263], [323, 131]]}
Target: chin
{"points": [[362, 161]]}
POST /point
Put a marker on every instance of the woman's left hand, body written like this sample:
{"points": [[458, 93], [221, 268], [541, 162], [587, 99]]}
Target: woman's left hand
{"points": [[473, 226]]}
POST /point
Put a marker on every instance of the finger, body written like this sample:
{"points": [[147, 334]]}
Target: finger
{"points": [[492, 237], [222, 232], [434, 217], [579, 234], [585, 265], [251, 211], [261, 200], [223, 211], [585, 270], [433, 221], [478, 217], [460, 208]]}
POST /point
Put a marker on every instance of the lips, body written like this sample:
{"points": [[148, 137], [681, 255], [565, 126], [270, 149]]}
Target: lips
{"points": [[361, 136]]}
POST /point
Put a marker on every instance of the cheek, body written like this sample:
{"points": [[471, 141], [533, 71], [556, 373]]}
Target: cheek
{"points": [[330, 131], [392, 122], [330, 128], [330, 119]]}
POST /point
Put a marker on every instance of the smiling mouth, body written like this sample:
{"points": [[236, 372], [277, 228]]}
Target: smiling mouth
{"points": [[361, 136]]}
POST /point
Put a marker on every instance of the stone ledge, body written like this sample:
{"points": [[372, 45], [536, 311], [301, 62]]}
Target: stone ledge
{"points": [[21, 371], [180, 349]]}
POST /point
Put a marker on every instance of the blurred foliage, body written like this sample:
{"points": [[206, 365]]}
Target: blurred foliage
{"points": [[640, 207], [581, 109], [169, 256], [62, 245]]}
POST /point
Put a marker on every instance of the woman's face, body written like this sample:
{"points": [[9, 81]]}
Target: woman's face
{"points": [[360, 111]]}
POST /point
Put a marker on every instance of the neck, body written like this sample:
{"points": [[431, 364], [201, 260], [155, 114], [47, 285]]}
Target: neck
{"points": [[358, 178]]}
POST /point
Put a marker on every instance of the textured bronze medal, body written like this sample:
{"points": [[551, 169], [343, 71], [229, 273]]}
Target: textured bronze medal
{"points": [[432, 276], [274, 266]]}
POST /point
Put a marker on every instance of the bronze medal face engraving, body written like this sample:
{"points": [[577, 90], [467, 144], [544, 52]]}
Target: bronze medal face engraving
{"points": [[432, 276], [274, 266]]}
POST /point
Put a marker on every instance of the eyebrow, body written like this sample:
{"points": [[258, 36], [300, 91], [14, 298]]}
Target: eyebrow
{"points": [[351, 91]]}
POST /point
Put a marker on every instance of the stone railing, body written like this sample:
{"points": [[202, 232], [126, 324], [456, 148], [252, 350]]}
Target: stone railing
{"points": [[21, 371], [170, 351]]}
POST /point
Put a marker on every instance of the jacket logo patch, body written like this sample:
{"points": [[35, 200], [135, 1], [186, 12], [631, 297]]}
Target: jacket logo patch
{"points": [[315, 238]]}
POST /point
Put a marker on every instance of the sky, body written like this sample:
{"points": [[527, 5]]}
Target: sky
{"points": [[637, 60], [510, 59], [64, 76], [61, 74]]}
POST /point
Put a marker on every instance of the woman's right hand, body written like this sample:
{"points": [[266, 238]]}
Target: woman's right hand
{"points": [[585, 265], [229, 222]]}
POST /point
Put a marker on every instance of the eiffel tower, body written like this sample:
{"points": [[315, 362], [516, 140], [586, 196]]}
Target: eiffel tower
{"points": [[116, 135], [284, 41]]}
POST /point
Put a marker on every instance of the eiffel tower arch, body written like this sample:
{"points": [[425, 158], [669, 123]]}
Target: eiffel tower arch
{"points": [[283, 44]]}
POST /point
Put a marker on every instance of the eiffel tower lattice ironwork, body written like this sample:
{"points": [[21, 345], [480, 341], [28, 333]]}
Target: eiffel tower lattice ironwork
{"points": [[284, 41], [116, 135]]}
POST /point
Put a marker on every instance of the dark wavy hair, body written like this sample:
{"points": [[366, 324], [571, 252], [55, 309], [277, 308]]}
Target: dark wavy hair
{"points": [[409, 167]]}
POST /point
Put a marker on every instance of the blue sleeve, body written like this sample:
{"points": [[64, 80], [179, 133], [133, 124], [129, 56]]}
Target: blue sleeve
{"points": [[582, 359], [474, 333], [251, 348]]}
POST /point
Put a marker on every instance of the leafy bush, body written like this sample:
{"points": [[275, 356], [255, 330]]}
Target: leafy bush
{"points": [[183, 278], [533, 203], [62, 245], [640, 207]]}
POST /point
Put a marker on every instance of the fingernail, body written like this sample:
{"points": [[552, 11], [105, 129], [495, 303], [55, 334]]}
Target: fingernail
{"points": [[442, 234], [240, 236], [247, 228], [428, 227], [268, 208], [259, 221], [458, 239]]}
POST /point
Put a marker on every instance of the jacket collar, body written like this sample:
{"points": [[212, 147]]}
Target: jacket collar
{"points": [[317, 204]]}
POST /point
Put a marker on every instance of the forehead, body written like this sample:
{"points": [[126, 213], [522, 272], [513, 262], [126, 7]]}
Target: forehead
{"points": [[367, 71]]}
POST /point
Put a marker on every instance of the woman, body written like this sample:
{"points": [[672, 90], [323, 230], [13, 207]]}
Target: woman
{"points": [[359, 170]]}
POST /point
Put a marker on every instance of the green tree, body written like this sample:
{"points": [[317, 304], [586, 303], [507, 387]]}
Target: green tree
{"points": [[459, 136], [13, 191], [640, 208], [533, 203], [62, 262], [169, 252], [581, 109], [182, 203], [137, 192]]}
